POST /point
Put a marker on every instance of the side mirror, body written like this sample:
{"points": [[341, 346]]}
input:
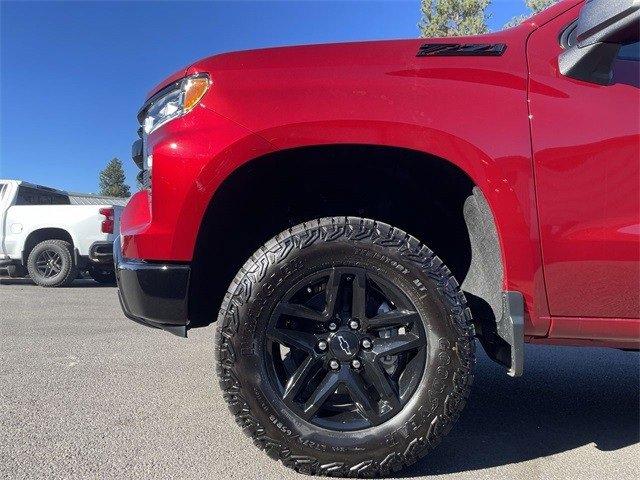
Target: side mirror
{"points": [[602, 27]]}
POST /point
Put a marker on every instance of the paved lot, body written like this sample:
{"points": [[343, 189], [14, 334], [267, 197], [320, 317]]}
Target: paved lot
{"points": [[85, 393]]}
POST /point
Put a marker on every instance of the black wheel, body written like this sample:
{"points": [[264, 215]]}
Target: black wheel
{"points": [[105, 276], [51, 264], [344, 347]]}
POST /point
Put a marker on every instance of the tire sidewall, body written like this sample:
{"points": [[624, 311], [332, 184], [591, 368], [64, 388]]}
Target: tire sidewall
{"points": [[436, 400], [104, 276]]}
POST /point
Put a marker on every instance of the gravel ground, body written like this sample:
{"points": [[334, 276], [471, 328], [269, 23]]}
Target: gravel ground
{"points": [[86, 393]]}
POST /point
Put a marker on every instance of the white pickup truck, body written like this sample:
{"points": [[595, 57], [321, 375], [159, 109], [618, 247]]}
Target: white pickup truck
{"points": [[43, 235]]}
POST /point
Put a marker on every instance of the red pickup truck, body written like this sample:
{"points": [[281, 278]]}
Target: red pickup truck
{"points": [[353, 216]]}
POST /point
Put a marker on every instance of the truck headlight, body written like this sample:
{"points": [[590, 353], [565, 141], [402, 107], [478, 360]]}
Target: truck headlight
{"points": [[173, 101]]}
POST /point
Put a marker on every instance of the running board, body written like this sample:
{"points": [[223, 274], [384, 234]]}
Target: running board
{"points": [[510, 327]]}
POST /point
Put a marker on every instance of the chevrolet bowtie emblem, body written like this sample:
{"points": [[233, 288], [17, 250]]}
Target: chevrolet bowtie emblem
{"points": [[344, 345]]}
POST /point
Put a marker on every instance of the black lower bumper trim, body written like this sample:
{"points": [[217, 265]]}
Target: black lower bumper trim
{"points": [[153, 294]]}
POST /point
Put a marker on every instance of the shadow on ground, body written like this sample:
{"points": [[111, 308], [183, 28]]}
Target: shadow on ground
{"points": [[79, 283], [568, 398]]}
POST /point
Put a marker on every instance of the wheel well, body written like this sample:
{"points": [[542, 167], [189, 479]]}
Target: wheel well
{"points": [[40, 235], [426, 196]]}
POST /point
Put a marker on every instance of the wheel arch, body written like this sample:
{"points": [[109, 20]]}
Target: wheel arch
{"points": [[44, 233], [242, 207]]}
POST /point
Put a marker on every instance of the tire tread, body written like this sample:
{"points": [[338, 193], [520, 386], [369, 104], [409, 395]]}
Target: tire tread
{"points": [[328, 230], [66, 248]]}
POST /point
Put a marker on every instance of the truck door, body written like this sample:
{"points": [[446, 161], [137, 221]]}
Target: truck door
{"points": [[586, 155]]}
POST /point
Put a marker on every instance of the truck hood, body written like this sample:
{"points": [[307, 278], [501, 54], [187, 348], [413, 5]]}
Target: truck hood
{"points": [[354, 83], [343, 55], [354, 53]]}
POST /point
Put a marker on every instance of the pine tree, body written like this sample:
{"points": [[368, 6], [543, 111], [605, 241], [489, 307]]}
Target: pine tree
{"points": [[112, 180], [535, 6], [444, 18], [539, 5]]}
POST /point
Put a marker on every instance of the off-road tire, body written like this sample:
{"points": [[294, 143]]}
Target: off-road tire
{"points": [[259, 411], [68, 271], [103, 276]]}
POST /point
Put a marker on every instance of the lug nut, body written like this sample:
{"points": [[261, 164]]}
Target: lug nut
{"points": [[366, 343], [355, 363], [333, 326], [334, 364], [354, 325], [322, 345]]}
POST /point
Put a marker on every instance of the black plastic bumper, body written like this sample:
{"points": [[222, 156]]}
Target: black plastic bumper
{"points": [[153, 294]]}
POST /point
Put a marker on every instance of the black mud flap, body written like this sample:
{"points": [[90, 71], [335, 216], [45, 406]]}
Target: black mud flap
{"points": [[510, 327]]}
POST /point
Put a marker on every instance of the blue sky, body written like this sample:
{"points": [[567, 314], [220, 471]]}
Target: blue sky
{"points": [[73, 75]]}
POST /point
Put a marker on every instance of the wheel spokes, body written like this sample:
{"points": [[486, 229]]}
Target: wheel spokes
{"points": [[359, 296], [397, 344], [300, 377], [56, 264], [393, 318], [331, 293], [358, 391], [345, 369], [294, 338], [378, 378], [300, 311], [49, 263], [327, 387]]}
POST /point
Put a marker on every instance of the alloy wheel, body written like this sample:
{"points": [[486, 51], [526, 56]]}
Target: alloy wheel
{"points": [[346, 349], [49, 263]]}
